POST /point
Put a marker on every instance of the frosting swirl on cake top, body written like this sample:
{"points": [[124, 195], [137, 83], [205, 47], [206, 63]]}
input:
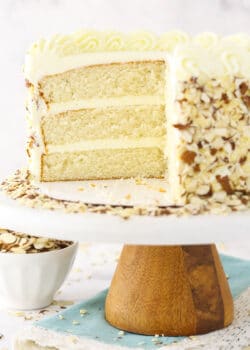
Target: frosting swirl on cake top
{"points": [[93, 41], [85, 41], [204, 55]]}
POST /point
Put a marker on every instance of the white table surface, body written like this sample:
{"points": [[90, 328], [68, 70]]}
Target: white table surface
{"points": [[92, 272]]}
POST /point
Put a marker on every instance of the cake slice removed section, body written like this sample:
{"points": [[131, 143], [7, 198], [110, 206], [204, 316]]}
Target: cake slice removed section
{"points": [[99, 121]]}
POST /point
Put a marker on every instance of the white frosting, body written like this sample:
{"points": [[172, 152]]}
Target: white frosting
{"points": [[206, 53], [173, 135], [55, 108], [35, 162], [206, 40], [217, 61], [36, 109], [94, 41], [122, 142], [46, 63]]}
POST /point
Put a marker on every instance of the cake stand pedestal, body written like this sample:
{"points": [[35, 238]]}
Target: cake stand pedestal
{"points": [[170, 290], [169, 279]]}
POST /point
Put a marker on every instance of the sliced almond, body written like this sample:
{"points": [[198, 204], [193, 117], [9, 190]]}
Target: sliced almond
{"points": [[39, 245], [188, 156], [18, 250], [14, 242], [203, 190], [7, 238], [49, 244], [23, 241]]}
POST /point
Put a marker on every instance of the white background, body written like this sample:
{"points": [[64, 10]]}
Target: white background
{"points": [[23, 21]]}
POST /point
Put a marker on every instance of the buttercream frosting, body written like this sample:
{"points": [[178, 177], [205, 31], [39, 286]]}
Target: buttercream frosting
{"points": [[122, 142], [216, 61], [205, 53], [93, 41], [41, 64], [55, 108]]}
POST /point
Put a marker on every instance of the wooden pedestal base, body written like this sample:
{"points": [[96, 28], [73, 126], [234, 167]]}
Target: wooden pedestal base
{"points": [[170, 290]]}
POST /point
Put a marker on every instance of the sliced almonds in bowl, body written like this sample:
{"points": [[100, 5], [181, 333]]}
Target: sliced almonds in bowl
{"points": [[19, 243], [47, 260]]}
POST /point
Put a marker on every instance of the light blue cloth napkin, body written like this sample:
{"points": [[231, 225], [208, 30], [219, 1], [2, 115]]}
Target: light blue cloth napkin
{"points": [[93, 325]]}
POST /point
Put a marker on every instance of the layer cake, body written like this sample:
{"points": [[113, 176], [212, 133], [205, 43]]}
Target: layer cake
{"points": [[109, 105]]}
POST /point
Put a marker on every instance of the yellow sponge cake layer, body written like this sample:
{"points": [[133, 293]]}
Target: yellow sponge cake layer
{"points": [[103, 164], [100, 123], [104, 81]]}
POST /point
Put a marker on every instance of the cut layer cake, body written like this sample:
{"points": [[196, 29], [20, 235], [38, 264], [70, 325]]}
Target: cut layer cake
{"points": [[109, 105]]}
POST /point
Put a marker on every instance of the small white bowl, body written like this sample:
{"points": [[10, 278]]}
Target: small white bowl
{"points": [[29, 281]]}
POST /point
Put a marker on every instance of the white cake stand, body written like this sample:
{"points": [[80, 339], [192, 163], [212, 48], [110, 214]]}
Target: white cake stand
{"points": [[169, 279], [200, 229]]}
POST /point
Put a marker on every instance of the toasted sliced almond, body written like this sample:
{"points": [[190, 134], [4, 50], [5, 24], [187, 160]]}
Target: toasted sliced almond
{"points": [[8, 238], [18, 250], [16, 242], [39, 246], [23, 241]]}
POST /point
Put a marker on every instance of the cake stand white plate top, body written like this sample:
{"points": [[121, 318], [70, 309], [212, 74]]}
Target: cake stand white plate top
{"points": [[93, 227]]}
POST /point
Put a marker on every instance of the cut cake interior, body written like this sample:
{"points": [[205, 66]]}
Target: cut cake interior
{"points": [[101, 121]]}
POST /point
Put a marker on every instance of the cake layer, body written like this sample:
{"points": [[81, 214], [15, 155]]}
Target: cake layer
{"points": [[104, 164], [101, 81], [113, 122]]}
